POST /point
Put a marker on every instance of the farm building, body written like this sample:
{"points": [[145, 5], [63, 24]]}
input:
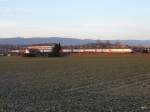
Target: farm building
{"points": [[37, 50], [13, 53]]}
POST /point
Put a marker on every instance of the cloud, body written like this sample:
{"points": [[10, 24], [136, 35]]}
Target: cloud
{"points": [[95, 31], [7, 24], [8, 28], [13, 11]]}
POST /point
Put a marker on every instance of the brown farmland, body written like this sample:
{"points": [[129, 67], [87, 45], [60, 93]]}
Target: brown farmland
{"points": [[106, 83]]}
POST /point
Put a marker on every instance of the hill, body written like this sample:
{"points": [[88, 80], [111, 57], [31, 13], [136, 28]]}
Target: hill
{"points": [[63, 41], [66, 41]]}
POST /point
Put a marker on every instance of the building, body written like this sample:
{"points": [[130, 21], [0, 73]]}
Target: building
{"points": [[37, 50], [13, 53]]}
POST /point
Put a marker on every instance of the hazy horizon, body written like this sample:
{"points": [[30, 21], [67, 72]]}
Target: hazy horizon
{"points": [[60, 37], [86, 19]]}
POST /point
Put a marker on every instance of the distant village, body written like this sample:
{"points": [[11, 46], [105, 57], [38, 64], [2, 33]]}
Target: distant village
{"points": [[56, 49]]}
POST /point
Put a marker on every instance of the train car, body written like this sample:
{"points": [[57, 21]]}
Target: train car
{"points": [[89, 50], [78, 50], [106, 50], [66, 51], [120, 50], [99, 50]]}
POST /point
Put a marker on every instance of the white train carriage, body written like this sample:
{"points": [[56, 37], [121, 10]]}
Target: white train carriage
{"points": [[90, 50], [121, 50], [78, 50], [128, 50], [67, 50], [99, 50]]}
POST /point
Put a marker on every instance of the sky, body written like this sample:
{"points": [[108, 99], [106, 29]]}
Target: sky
{"points": [[85, 19]]}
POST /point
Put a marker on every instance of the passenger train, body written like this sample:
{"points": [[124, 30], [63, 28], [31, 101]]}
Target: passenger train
{"points": [[123, 50]]}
